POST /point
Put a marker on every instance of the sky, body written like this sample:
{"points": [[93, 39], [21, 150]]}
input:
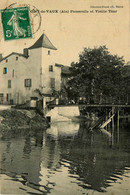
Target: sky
{"points": [[72, 32]]}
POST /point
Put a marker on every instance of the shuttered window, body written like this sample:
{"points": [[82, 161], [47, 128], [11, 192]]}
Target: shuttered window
{"points": [[51, 68], [1, 98], [8, 97], [9, 83], [28, 82], [52, 83], [4, 70]]}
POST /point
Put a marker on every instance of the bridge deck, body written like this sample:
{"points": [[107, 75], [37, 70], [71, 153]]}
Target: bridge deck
{"points": [[93, 105]]}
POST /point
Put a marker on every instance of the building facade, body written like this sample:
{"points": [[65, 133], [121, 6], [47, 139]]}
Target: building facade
{"points": [[22, 74]]}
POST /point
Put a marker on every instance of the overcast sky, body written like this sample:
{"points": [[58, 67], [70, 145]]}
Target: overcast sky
{"points": [[71, 32]]}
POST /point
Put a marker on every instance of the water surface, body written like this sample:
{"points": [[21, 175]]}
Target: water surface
{"points": [[66, 158]]}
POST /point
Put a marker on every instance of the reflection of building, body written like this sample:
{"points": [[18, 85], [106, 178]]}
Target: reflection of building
{"points": [[69, 131], [22, 74], [64, 158], [20, 160]]}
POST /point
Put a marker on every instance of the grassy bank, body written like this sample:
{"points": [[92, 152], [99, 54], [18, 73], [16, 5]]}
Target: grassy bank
{"points": [[14, 119]]}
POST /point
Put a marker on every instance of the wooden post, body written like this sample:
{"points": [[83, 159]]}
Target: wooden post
{"points": [[127, 99], [118, 117], [44, 105], [119, 100], [100, 98], [113, 108], [106, 119], [88, 99], [109, 115]]}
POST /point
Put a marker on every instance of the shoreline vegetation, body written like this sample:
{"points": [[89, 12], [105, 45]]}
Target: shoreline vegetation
{"points": [[15, 119]]}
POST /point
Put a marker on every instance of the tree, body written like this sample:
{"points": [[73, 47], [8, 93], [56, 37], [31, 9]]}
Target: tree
{"points": [[97, 72], [126, 82]]}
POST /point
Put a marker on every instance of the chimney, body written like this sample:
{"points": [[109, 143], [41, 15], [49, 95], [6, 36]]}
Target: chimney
{"points": [[25, 52], [1, 56]]}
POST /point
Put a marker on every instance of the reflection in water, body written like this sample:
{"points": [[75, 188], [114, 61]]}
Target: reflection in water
{"points": [[67, 158], [63, 130]]}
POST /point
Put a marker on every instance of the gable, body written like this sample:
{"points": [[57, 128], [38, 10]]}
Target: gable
{"points": [[13, 53]]}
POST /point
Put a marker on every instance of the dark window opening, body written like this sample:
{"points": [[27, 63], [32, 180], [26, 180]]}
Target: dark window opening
{"points": [[13, 73], [52, 83], [8, 97], [41, 70], [6, 60], [1, 98], [9, 83], [49, 52], [16, 58], [5, 70], [51, 68], [28, 82]]}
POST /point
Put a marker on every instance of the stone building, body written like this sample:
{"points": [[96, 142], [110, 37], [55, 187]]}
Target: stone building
{"points": [[21, 75]]}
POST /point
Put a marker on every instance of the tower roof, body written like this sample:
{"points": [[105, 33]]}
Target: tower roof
{"points": [[44, 42]]}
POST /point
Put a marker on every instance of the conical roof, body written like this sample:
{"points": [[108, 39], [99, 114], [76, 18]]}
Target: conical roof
{"points": [[44, 42]]}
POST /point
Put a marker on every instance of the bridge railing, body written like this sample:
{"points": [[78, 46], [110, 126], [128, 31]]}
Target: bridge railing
{"points": [[95, 99]]}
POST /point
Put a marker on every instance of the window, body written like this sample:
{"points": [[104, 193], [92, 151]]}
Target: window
{"points": [[13, 73], [5, 70], [52, 83], [41, 70], [51, 68], [28, 82], [9, 83], [8, 97], [1, 98], [6, 60], [17, 58], [49, 52]]}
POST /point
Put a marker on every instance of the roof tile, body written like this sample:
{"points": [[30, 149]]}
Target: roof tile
{"points": [[44, 42]]}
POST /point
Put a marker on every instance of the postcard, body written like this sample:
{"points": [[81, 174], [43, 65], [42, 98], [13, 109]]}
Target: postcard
{"points": [[64, 97]]}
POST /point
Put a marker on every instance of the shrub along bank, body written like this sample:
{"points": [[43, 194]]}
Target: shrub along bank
{"points": [[21, 119]]}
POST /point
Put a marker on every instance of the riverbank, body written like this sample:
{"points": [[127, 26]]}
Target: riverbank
{"points": [[13, 119]]}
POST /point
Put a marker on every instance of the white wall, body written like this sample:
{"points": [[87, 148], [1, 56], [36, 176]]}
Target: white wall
{"points": [[23, 69], [35, 67], [63, 113], [48, 60]]}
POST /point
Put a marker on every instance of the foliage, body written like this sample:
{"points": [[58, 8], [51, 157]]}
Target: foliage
{"points": [[39, 93], [126, 79], [97, 72]]}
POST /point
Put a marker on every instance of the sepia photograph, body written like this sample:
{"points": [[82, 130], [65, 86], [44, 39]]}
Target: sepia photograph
{"points": [[65, 97]]}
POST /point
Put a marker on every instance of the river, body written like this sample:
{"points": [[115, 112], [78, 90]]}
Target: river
{"points": [[65, 159]]}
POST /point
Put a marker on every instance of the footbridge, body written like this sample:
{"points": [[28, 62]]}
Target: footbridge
{"points": [[92, 105], [68, 111]]}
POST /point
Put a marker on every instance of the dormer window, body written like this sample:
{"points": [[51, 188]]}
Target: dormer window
{"points": [[5, 70], [6, 60], [17, 58], [49, 52], [50, 68]]}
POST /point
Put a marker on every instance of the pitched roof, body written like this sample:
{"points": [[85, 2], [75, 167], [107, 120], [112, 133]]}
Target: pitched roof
{"points": [[64, 69], [44, 42], [13, 53]]}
